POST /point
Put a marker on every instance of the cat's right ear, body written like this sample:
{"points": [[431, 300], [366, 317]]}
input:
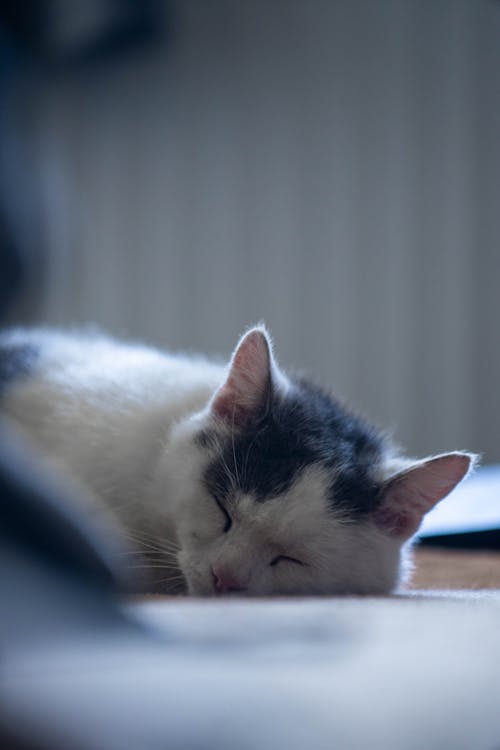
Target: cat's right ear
{"points": [[414, 491], [245, 395]]}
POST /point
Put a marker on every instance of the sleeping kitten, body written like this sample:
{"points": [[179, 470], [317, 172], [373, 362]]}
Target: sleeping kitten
{"points": [[226, 479]]}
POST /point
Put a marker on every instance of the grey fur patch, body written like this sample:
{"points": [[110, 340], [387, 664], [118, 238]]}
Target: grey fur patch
{"points": [[307, 426], [16, 361]]}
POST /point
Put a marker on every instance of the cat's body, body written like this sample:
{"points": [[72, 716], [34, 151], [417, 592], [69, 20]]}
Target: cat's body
{"points": [[225, 479]]}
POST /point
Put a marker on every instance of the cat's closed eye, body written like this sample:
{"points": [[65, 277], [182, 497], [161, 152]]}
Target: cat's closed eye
{"points": [[285, 558], [228, 519]]}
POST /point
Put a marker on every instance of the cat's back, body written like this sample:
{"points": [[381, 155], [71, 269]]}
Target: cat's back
{"points": [[87, 364]]}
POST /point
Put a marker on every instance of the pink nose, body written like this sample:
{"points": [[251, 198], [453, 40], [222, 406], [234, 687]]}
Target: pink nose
{"points": [[226, 581]]}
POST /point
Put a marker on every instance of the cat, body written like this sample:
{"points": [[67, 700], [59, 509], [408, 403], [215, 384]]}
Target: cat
{"points": [[235, 479]]}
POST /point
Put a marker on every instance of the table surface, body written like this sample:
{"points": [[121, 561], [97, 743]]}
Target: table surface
{"points": [[385, 673]]}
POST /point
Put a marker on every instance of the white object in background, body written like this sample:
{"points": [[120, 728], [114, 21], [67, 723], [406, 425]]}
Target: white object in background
{"points": [[473, 506]]}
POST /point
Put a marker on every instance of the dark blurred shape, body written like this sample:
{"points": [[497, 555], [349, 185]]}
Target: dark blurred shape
{"points": [[23, 21], [476, 540], [11, 265], [82, 30], [38, 515], [58, 585], [47, 37]]}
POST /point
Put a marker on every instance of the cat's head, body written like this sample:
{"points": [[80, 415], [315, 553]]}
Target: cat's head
{"points": [[278, 489]]}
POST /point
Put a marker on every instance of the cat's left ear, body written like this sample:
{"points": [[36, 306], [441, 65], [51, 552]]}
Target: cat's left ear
{"points": [[245, 395], [413, 492]]}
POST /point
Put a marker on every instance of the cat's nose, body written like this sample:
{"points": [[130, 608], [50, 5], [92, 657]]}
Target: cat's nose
{"points": [[225, 581]]}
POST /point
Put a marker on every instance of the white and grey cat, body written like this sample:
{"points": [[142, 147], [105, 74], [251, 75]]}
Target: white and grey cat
{"points": [[226, 479]]}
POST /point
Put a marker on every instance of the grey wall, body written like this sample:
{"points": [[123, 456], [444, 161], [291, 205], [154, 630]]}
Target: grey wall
{"points": [[331, 167]]}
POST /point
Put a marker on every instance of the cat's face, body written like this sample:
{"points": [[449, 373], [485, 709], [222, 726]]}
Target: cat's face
{"points": [[291, 542], [278, 490]]}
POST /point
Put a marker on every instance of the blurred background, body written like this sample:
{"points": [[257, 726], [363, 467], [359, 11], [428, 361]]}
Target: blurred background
{"points": [[175, 171]]}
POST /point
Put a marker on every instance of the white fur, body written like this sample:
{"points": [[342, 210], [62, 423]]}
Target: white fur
{"points": [[123, 419]]}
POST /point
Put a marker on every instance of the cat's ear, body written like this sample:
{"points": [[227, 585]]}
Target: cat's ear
{"points": [[414, 491], [245, 395]]}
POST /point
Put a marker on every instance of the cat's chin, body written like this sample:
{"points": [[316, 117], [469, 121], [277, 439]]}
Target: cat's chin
{"points": [[198, 584], [200, 590]]}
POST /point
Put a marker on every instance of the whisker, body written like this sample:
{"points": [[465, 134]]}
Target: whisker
{"points": [[177, 580], [234, 449], [151, 561], [155, 566], [144, 551], [163, 560], [148, 548], [156, 546], [247, 457], [226, 468]]}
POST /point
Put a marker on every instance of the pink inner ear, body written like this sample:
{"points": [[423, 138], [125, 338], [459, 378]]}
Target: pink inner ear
{"points": [[414, 492], [243, 396]]}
